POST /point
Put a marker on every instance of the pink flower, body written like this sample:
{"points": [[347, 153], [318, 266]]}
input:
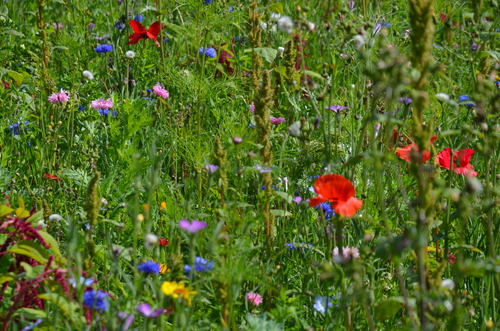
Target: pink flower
{"points": [[251, 108], [347, 254], [193, 227], [160, 91], [254, 298], [102, 104], [60, 97], [277, 120]]}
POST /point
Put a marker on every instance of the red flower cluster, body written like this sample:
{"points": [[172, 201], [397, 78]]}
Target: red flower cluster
{"points": [[339, 191], [53, 177], [163, 242], [458, 161]]}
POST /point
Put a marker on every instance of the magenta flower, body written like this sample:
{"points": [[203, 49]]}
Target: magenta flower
{"points": [[336, 108], [128, 320], [251, 108], [297, 200], [254, 298], [277, 120], [60, 97], [160, 91], [192, 227], [102, 104], [146, 310]]}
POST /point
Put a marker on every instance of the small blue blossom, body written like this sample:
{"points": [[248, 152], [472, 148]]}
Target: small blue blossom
{"points": [[208, 2], [119, 25], [302, 245], [16, 128], [83, 281], [149, 267], [386, 24], [96, 299], [138, 18], [438, 47], [32, 325], [464, 98], [209, 52], [104, 48], [81, 108], [327, 210], [106, 112], [200, 265], [321, 304]]}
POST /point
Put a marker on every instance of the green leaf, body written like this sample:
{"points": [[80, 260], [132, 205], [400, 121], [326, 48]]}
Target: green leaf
{"points": [[31, 249], [18, 78], [33, 219], [280, 212], [32, 272], [54, 246], [4, 11], [269, 54], [69, 308], [28, 100], [389, 307], [4, 210], [277, 8], [6, 278], [13, 33], [287, 197], [30, 314], [153, 8], [494, 54], [313, 74]]}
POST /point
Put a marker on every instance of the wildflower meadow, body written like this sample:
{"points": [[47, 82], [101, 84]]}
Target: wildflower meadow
{"points": [[249, 165]]}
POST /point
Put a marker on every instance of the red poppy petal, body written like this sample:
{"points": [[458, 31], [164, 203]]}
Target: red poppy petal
{"points": [[348, 208], [443, 158], [136, 37], [154, 30], [136, 26], [433, 138], [316, 201], [426, 156], [464, 156], [467, 171], [405, 153], [334, 187]]}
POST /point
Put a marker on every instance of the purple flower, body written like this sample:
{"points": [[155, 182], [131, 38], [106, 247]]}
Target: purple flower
{"points": [[59, 97], [351, 4], [262, 169], [192, 227], [129, 320], [146, 310], [119, 25], [237, 140], [211, 168], [83, 280], [336, 108], [297, 200], [406, 100]]}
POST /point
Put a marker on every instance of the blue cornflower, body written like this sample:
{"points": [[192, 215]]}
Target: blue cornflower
{"points": [[104, 48], [119, 25], [16, 128], [149, 267], [106, 112], [209, 52], [251, 125], [96, 299], [327, 209], [138, 18], [321, 304], [200, 265], [208, 2], [386, 24], [81, 108], [83, 280], [438, 47], [464, 98], [32, 325], [302, 245]]}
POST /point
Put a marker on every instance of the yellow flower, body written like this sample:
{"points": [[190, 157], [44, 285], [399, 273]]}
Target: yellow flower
{"points": [[163, 268], [178, 290], [163, 205]]}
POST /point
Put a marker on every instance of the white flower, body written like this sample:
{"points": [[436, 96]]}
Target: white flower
{"points": [[275, 16], [285, 24], [443, 97], [447, 304], [87, 74], [359, 41], [55, 217], [150, 240], [295, 129], [448, 284], [263, 26], [41, 223], [104, 202], [281, 50], [130, 54], [311, 26]]}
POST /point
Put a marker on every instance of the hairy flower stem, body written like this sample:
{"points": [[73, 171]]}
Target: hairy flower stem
{"points": [[45, 58], [263, 101], [422, 36], [254, 38]]}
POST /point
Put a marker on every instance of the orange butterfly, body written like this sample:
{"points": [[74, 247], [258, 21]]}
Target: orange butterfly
{"points": [[142, 33]]}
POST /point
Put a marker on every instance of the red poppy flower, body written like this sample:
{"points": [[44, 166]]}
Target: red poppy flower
{"points": [[405, 152], [163, 242], [53, 177], [339, 191], [460, 163], [142, 33]]}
